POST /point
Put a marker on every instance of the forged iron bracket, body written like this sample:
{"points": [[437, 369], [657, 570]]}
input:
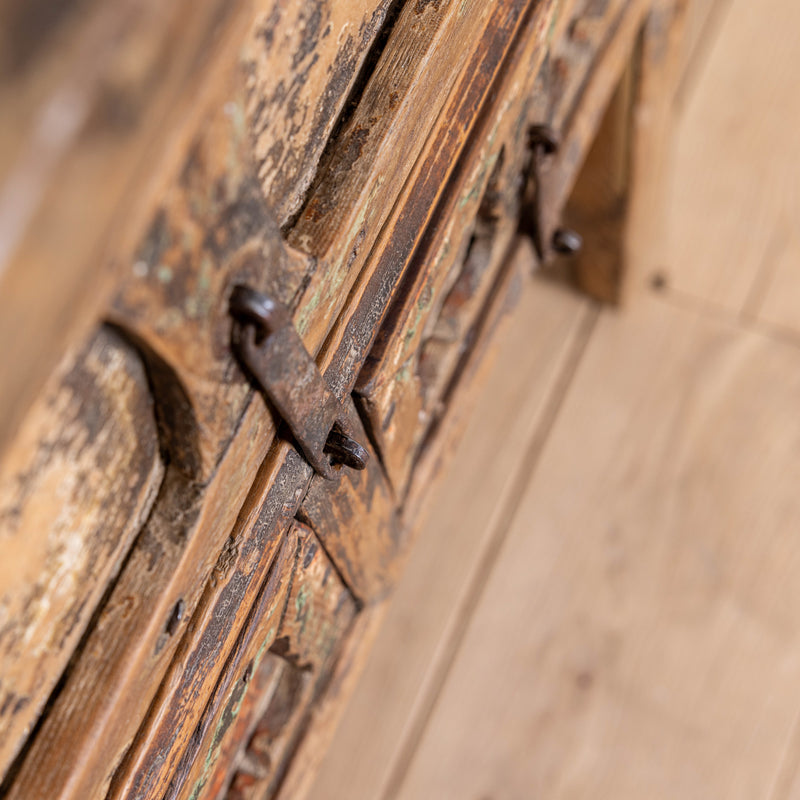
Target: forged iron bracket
{"points": [[270, 349]]}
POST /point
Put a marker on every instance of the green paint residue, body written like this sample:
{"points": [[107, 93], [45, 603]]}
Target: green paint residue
{"points": [[204, 278], [228, 716], [551, 31], [192, 307], [164, 273], [302, 599]]}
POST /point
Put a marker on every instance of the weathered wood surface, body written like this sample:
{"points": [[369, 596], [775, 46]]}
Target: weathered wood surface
{"points": [[426, 188], [211, 231], [117, 673], [197, 222], [302, 62], [175, 305], [96, 98], [100, 100], [356, 522], [247, 704], [228, 608], [576, 112], [319, 613], [76, 485], [452, 270], [501, 300], [326, 712], [350, 203], [211, 748]]}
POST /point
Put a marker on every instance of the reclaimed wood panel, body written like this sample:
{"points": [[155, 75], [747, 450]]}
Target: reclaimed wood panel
{"points": [[211, 230], [319, 614], [233, 601], [393, 152], [112, 683], [106, 109], [210, 751], [452, 271], [356, 522], [76, 486], [303, 61]]}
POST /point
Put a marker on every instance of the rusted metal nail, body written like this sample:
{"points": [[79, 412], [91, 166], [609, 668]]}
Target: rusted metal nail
{"points": [[264, 339], [251, 307], [345, 450], [176, 616], [566, 241], [544, 138]]}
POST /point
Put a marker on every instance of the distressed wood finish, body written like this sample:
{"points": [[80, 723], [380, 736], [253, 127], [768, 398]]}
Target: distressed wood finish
{"points": [[85, 117], [585, 69], [75, 487], [368, 562], [293, 112], [451, 273], [224, 614], [362, 163], [355, 206], [88, 92], [245, 673], [319, 612]]}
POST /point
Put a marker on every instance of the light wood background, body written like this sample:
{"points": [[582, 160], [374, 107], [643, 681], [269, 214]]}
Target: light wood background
{"points": [[606, 602]]}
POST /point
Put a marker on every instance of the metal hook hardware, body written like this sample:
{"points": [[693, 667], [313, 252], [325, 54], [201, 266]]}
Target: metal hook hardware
{"points": [[544, 143], [268, 346]]}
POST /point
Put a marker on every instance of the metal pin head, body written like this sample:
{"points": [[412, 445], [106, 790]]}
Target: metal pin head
{"points": [[566, 241]]}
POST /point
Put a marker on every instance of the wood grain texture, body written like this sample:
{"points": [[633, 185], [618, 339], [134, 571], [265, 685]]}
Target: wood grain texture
{"points": [[319, 613], [235, 695], [451, 274], [233, 601], [739, 111], [778, 302], [91, 120], [75, 487], [211, 230], [458, 521], [427, 188], [653, 611], [393, 151], [303, 60], [131, 645], [356, 522]]}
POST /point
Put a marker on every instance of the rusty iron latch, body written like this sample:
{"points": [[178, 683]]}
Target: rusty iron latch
{"points": [[267, 344], [543, 142]]}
